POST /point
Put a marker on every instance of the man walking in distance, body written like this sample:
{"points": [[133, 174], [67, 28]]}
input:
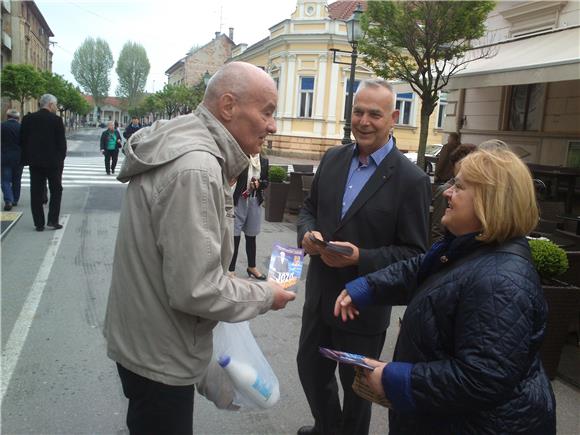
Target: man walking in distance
{"points": [[370, 197], [43, 141], [11, 166], [132, 128], [175, 242]]}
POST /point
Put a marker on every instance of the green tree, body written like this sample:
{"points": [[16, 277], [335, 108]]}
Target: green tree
{"points": [[151, 104], [54, 84], [133, 69], [21, 82], [90, 67], [169, 99], [423, 43]]}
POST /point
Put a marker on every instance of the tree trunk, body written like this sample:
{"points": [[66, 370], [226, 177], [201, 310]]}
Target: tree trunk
{"points": [[424, 132]]}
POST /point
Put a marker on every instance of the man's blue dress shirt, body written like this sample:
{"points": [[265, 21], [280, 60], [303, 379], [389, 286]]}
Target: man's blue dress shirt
{"points": [[360, 172]]}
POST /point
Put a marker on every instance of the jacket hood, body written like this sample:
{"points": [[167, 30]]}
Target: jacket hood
{"points": [[167, 140]]}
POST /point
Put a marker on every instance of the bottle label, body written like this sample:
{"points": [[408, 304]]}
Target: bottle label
{"points": [[261, 387]]}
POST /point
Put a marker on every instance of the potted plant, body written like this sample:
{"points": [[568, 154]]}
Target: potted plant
{"points": [[563, 300], [277, 193]]}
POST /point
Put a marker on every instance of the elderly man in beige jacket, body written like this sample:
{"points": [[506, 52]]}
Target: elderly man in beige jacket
{"points": [[170, 285]]}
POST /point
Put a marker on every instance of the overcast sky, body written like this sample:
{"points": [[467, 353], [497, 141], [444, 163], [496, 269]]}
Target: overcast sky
{"points": [[167, 29]]}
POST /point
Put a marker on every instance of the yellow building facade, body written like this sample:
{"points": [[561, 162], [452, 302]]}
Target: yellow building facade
{"points": [[313, 88]]}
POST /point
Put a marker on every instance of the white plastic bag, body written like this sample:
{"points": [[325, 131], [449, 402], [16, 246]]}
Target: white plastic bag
{"points": [[247, 382]]}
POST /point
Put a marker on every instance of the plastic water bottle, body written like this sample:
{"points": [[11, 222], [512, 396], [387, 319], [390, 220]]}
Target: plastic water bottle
{"points": [[249, 383]]}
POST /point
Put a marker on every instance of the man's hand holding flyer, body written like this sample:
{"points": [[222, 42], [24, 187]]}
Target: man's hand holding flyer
{"points": [[286, 265], [339, 249]]}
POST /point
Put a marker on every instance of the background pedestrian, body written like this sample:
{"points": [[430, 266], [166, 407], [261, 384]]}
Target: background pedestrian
{"points": [[11, 159], [110, 143], [43, 141], [248, 198]]}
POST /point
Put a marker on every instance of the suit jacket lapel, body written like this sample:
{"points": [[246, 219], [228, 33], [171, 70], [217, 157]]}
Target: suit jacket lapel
{"points": [[380, 177], [340, 175]]}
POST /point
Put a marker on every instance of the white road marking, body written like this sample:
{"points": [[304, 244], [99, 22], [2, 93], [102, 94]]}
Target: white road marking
{"points": [[17, 338]]}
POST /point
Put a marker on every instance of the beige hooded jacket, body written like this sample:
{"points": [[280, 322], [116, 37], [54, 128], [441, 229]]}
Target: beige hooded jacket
{"points": [[169, 285]]}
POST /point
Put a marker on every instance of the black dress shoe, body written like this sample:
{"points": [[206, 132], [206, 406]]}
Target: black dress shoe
{"points": [[7, 206], [251, 274], [39, 228], [55, 226], [308, 430]]}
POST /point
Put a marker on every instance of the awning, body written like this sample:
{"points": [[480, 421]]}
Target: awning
{"points": [[544, 58]]}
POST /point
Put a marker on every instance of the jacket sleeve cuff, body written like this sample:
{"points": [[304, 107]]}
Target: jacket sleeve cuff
{"points": [[396, 380], [360, 292]]}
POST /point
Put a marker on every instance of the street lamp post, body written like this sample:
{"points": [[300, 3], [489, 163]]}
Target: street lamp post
{"points": [[353, 35]]}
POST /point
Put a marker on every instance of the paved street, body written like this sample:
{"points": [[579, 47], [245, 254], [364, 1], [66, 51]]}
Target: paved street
{"points": [[56, 378]]}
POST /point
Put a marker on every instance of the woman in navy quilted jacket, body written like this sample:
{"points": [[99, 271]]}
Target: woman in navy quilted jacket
{"points": [[466, 360]]}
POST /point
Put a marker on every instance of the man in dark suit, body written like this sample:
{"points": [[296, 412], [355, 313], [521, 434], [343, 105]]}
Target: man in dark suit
{"points": [[370, 197], [43, 142], [281, 263], [11, 166]]}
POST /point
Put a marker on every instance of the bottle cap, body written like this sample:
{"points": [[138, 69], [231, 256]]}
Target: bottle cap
{"points": [[224, 360]]}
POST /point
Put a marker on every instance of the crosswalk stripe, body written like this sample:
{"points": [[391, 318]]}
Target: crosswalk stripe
{"points": [[82, 171]]}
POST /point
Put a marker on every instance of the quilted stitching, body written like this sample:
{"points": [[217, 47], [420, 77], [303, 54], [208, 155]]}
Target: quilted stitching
{"points": [[474, 337]]}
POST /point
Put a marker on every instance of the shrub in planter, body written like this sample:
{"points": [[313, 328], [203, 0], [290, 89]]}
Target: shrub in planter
{"points": [[277, 174], [276, 194], [550, 260], [563, 300]]}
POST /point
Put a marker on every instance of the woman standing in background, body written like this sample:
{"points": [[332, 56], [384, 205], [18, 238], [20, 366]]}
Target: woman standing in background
{"points": [[248, 198]]}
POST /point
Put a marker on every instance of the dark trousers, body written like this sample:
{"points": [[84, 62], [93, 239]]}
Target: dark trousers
{"points": [[111, 160], [250, 252], [38, 177], [11, 179], [156, 408], [317, 375]]}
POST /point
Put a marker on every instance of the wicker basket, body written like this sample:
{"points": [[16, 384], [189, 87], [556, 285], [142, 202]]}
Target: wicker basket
{"points": [[361, 387]]}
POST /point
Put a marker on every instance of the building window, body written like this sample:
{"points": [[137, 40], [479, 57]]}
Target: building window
{"points": [[442, 109], [573, 154], [347, 91], [405, 107], [525, 107], [306, 96]]}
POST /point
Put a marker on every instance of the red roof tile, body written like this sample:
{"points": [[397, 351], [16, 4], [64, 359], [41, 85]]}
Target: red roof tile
{"points": [[343, 9]]}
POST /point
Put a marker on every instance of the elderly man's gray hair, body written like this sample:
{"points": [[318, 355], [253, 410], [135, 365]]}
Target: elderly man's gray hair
{"points": [[13, 114], [47, 99]]}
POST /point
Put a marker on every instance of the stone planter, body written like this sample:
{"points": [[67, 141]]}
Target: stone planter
{"points": [[275, 201], [563, 304]]}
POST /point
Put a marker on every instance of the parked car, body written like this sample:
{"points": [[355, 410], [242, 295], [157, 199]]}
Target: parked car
{"points": [[431, 156]]}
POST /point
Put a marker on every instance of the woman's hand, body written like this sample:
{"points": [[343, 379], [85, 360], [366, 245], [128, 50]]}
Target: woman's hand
{"points": [[374, 377], [344, 307]]}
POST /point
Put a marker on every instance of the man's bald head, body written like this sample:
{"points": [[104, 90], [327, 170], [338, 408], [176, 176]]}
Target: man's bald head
{"points": [[237, 78], [243, 98]]}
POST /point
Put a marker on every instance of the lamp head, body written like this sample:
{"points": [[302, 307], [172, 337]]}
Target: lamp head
{"points": [[353, 28]]}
